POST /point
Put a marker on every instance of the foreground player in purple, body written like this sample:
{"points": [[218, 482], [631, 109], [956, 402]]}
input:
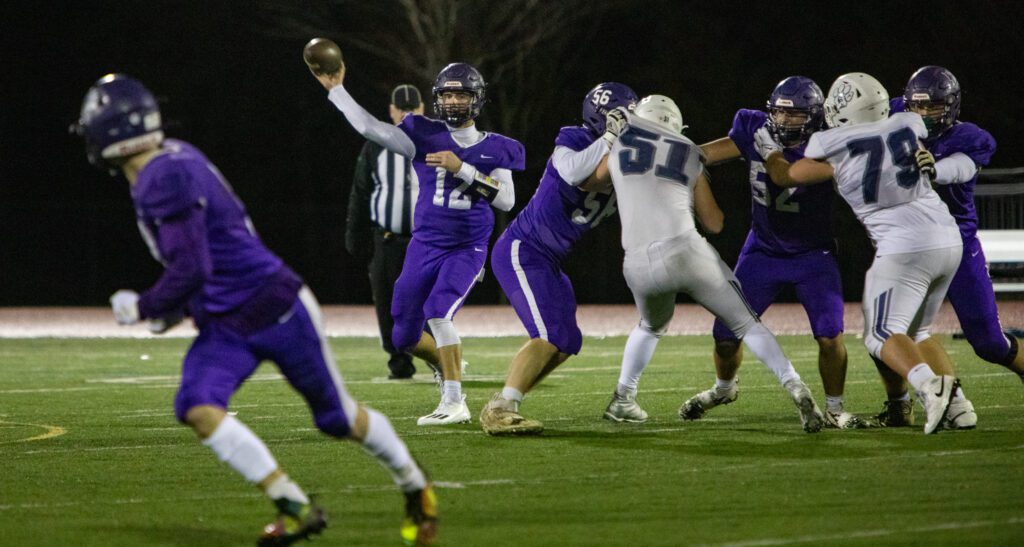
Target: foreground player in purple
{"points": [[959, 150], [790, 244], [462, 173], [527, 257], [246, 303]]}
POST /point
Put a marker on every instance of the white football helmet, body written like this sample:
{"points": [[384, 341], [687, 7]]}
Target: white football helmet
{"points": [[662, 111], [856, 98]]}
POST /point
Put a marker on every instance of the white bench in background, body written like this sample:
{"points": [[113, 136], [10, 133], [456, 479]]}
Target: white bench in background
{"points": [[1001, 247]]}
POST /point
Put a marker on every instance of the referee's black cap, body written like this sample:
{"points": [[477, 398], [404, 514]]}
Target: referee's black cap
{"points": [[406, 97]]}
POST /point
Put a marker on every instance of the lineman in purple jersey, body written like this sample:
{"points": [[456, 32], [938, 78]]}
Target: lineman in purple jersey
{"points": [[790, 243], [527, 257], [959, 150], [462, 172], [246, 303]]}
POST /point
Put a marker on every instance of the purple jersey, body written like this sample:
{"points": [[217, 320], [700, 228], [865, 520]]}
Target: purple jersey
{"points": [[785, 221], [559, 214], [190, 218], [446, 216], [977, 144]]}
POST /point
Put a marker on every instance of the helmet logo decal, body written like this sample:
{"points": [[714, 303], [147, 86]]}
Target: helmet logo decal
{"points": [[784, 102], [843, 94], [920, 97]]}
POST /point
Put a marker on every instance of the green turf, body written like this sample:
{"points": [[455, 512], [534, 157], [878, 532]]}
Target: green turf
{"points": [[125, 473]]}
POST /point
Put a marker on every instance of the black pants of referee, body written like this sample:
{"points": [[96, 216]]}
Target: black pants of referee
{"points": [[385, 267]]}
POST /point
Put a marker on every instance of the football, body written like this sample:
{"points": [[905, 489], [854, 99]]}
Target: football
{"points": [[322, 56]]}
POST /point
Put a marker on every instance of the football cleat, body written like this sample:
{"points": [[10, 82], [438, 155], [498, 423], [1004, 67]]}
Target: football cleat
{"points": [[936, 395], [810, 416], [841, 419], [695, 407], [624, 408], [896, 413], [447, 413], [295, 521], [499, 417], [419, 527], [961, 415]]}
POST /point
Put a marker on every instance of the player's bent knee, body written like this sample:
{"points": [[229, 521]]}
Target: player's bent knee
{"points": [[727, 348], [334, 423], [831, 345], [874, 346], [1001, 350], [654, 330], [203, 419]]}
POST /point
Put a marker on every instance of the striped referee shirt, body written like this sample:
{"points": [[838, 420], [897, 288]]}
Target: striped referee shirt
{"points": [[383, 196]]}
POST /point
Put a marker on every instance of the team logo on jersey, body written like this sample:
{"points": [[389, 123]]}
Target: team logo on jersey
{"points": [[843, 94]]}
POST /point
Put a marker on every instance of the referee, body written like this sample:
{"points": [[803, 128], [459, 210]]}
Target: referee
{"points": [[380, 208]]}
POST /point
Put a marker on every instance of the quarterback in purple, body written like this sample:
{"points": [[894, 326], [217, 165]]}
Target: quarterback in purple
{"points": [[462, 172], [246, 303], [959, 149], [790, 243], [527, 257]]}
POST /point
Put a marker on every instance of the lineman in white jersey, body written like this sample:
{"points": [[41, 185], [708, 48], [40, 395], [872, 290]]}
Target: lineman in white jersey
{"points": [[654, 169], [918, 245]]}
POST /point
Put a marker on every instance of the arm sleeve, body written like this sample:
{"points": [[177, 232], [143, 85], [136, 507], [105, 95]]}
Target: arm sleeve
{"points": [[955, 169], [384, 134], [357, 223], [575, 166], [506, 198], [182, 243]]}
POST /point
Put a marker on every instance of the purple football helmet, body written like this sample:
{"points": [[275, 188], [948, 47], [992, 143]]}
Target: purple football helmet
{"points": [[119, 118], [795, 95], [463, 78], [933, 86], [603, 99]]}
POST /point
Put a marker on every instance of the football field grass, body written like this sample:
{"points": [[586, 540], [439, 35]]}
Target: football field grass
{"points": [[90, 454]]}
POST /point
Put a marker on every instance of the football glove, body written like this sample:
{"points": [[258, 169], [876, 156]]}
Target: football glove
{"points": [[925, 162], [125, 305], [764, 143], [615, 124]]}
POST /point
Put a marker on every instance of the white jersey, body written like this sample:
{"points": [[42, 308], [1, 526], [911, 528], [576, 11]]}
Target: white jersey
{"points": [[876, 174], [653, 170]]}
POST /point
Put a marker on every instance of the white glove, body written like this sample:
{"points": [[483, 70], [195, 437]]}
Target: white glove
{"points": [[163, 324], [615, 124], [765, 144], [125, 304]]}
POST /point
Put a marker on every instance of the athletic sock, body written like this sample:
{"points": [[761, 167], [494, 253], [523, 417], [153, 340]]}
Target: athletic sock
{"points": [[724, 385], [512, 394], [284, 487], [919, 375], [236, 445], [834, 403], [638, 352], [383, 443], [451, 392], [764, 345]]}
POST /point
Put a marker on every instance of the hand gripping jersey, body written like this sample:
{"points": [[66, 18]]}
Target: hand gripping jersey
{"points": [[784, 221], [876, 174], [559, 214], [976, 143]]}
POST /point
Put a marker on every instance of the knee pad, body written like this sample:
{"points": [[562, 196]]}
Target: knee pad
{"points": [[874, 346], [651, 330], [444, 332]]}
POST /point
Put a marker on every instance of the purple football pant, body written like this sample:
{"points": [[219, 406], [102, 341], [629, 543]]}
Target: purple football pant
{"points": [[813, 275], [220, 360], [434, 284], [974, 302], [539, 291]]}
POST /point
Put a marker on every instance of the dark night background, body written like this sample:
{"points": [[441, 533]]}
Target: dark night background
{"points": [[236, 86]]}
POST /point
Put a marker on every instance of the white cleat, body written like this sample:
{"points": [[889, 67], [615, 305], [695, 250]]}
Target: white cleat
{"points": [[961, 415], [936, 395], [841, 419], [810, 415], [695, 407], [447, 413], [624, 408]]}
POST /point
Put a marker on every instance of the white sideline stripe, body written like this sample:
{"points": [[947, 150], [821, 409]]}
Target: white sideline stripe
{"points": [[869, 533], [542, 329]]}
